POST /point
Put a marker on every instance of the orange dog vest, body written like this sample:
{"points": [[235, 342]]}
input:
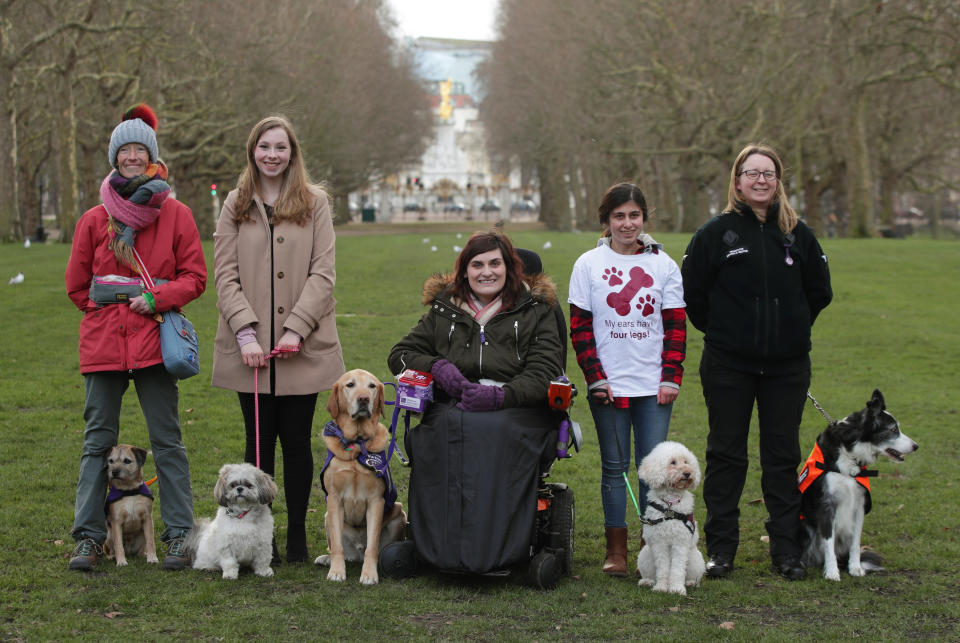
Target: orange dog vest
{"points": [[813, 468]]}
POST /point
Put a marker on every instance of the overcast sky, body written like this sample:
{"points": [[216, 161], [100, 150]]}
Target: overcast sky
{"points": [[462, 19]]}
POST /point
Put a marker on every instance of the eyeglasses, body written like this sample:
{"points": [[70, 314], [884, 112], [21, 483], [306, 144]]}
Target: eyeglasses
{"points": [[753, 175]]}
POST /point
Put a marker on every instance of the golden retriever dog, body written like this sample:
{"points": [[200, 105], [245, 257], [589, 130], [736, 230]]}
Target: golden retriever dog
{"points": [[129, 506], [359, 520]]}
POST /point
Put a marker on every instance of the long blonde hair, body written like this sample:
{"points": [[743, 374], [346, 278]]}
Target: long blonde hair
{"points": [[788, 218], [296, 200]]}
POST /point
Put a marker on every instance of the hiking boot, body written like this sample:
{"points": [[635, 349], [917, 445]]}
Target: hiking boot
{"points": [[85, 555], [176, 558]]}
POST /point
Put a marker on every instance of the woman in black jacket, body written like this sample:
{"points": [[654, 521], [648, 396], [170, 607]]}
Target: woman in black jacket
{"points": [[754, 281]]}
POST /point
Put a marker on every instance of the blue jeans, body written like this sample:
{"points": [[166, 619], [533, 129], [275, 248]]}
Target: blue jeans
{"points": [[650, 422]]}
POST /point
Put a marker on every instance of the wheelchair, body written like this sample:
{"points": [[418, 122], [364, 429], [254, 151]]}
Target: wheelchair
{"points": [[479, 500]]}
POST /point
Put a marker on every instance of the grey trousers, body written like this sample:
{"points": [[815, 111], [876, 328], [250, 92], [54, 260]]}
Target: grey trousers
{"points": [[159, 396]]}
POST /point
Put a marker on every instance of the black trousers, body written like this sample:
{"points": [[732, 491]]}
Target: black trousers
{"points": [[289, 418], [730, 396]]}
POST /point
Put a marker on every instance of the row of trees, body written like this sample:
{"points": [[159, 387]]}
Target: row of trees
{"points": [[859, 96], [210, 69]]}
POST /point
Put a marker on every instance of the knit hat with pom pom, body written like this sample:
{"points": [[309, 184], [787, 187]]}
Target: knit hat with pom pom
{"points": [[138, 125]]}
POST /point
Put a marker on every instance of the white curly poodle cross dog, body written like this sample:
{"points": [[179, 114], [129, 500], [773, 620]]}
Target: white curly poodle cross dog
{"points": [[670, 560]]}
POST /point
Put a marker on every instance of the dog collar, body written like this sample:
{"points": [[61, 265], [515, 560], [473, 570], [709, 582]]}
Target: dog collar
{"points": [[240, 515]]}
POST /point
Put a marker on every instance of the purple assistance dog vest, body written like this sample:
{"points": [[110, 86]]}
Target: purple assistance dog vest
{"points": [[376, 462], [115, 494]]}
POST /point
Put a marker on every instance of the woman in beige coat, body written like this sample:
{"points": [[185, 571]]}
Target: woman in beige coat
{"points": [[274, 274]]}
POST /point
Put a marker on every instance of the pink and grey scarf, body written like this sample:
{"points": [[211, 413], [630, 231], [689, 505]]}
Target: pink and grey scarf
{"points": [[132, 205]]}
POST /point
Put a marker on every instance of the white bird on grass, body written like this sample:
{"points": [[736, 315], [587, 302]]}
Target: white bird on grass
{"points": [[18, 279]]}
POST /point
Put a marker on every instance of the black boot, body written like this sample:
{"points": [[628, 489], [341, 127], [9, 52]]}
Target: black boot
{"points": [[296, 544]]}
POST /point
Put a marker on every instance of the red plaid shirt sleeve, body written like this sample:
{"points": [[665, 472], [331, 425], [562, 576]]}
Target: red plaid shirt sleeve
{"points": [[585, 344], [674, 345]]}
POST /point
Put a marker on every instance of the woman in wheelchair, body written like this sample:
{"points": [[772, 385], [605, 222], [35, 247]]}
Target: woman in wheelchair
{"points": [[491, 342]]}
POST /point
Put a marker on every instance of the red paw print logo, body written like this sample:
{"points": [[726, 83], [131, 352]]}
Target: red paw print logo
{"points": [[645, 306], [613, 276]]}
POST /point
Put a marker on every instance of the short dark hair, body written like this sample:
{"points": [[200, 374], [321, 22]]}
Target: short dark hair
{"points": [[479, 243]]}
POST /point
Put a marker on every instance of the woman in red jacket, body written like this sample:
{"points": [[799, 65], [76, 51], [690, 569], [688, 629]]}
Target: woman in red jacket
{"points": [[120, 341]]}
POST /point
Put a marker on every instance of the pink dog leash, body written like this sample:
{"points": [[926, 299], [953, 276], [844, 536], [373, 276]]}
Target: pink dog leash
{"points": [[256, 394]]}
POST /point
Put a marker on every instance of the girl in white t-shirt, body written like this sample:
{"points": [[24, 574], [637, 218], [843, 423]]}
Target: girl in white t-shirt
{"points": [[628, 327]]}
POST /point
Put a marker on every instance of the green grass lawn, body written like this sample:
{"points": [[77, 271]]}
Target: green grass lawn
{"points": [[892, 325]]}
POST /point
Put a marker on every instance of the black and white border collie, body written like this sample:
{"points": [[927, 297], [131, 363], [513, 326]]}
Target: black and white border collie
{"points": [[836, 489]]}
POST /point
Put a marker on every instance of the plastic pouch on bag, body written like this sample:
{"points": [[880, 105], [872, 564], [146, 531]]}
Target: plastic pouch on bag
{"points": [[114, 289]]}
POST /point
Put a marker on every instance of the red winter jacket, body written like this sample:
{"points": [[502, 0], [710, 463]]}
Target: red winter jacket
{"points": [[112, 338]]}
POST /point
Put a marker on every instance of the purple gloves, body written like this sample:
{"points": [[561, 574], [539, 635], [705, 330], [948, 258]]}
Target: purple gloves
{"points": [[449, 377], [481, 397]]}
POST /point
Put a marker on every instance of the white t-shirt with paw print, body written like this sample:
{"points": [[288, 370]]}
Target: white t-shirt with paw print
{"points": [[625, 294]]}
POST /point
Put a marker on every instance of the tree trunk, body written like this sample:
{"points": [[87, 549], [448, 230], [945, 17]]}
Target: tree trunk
{"points": [[554, 200], [69, 176], [341, 207], [888, 183], [8, 151], [813, 214], [935, 213], [862, 210], [694, 208]]}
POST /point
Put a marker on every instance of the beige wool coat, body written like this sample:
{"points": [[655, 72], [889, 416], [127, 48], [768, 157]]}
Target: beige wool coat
{"points": [[301, 278]]}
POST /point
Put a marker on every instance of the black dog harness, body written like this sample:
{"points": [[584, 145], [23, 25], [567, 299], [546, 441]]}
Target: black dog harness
{"points": [[670, 514]]}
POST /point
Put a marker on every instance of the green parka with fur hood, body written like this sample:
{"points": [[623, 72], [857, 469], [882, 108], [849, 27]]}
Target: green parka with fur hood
{"points": [[521, 349]]}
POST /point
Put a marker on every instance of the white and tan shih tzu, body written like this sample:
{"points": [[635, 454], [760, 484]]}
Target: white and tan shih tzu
{"points": [[670, 560], [241, 533]]}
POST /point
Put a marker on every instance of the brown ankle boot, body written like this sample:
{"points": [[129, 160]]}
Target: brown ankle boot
{"points": [[615, 563]]}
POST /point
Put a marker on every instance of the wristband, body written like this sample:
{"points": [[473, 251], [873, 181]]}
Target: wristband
{"points": [[148, 297]]}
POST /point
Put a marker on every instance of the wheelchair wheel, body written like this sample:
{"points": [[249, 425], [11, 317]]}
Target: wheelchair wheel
{"points": [[561, 526], [398, 560], [544, 571]]}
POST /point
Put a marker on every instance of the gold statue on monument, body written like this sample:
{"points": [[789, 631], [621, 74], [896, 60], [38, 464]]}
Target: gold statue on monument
{"points": [[446, 107]]}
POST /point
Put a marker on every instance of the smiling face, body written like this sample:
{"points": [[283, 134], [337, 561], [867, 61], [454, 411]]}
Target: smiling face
{"points": [[132, 160], [626, 224], [758, 193], [272, 154], [487, 275]]}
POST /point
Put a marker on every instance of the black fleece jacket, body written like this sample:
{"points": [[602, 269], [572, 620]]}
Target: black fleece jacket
{"points": [[755, 292]]}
